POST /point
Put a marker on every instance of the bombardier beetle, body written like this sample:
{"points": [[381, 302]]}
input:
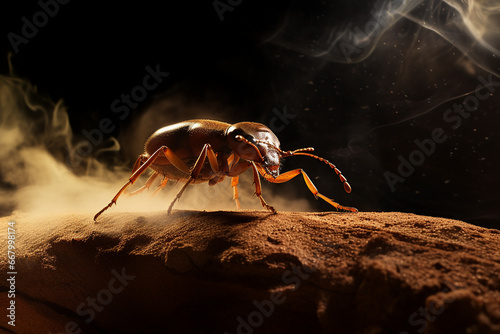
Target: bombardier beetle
{"points": [[204, 150]]}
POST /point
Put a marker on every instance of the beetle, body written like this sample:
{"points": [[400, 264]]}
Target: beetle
{"points": [[202, 150]]}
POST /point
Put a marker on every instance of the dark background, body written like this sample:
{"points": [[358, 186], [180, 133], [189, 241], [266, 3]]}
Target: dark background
{"points": [[361, 115]]}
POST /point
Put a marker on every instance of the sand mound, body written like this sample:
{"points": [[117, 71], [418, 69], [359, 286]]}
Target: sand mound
{"points": [[245, 272]]}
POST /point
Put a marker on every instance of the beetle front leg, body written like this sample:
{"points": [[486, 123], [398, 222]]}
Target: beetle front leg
{"points": [[293, 173], [237, 167], [258, 189], [234, 184]]}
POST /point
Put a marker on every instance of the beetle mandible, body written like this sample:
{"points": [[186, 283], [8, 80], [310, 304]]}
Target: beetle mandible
{"points": [[203, 150]]}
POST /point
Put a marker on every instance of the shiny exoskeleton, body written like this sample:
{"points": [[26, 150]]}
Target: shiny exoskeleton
{"points": [[202, 150]]}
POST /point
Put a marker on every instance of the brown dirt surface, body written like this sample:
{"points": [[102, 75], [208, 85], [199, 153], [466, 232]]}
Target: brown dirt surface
{"points": [[252, 272]]}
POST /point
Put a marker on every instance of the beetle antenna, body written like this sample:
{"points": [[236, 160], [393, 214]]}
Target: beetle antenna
{"points": [[307, 149], [302, 151], [347, 186], [281, 152]]}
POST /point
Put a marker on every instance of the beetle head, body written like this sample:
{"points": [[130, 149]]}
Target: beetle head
{"points": [[255, 142]]}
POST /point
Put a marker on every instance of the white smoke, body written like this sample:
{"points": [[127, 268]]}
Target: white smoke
{"points": [[472, 26], [42, 172]]}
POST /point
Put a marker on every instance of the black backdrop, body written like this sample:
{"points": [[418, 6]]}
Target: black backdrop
{"points": [[362, 113]]}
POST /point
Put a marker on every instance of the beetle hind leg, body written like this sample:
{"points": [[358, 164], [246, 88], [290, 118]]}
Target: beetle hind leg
{"points": [[140, 167]]}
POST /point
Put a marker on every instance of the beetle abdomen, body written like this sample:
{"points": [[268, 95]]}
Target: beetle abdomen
{"points": [[187, 138], [171, 136]]}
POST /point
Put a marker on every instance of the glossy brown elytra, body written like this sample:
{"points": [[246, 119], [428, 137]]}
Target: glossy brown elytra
{"points": [[203, 150]]}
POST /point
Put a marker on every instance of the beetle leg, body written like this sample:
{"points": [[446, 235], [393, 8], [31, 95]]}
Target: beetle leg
{"points": [[148, 184], [234, 184], [233, 160], [178, 196], [171, 156], [161, 186], [206, 152], [137, 164], [258, 189], [293, 173], [237, 167]]}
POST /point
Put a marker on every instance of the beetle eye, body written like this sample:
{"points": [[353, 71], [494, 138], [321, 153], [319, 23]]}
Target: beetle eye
{"points": [[272, 156], [272, 159]]}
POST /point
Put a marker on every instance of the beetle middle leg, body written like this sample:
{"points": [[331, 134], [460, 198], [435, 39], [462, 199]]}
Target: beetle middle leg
{"points": [[206, 152]]}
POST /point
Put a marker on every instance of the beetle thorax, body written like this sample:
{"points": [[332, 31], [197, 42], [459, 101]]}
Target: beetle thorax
{"points": [[259, 145]]}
